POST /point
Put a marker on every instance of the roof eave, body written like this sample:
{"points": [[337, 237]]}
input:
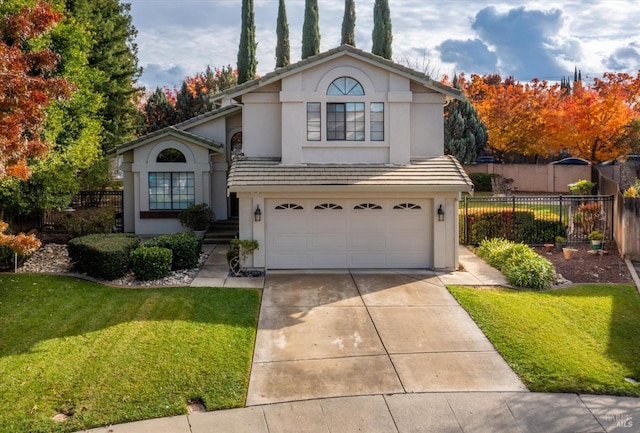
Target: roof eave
{"points": [[350, 188]]}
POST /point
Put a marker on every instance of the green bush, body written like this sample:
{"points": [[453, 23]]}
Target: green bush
{"points": [[481, 181], [7, 258], [87, 221], [151, 263], [185, 249], [104, 256], [519, 263], [518, 226]]}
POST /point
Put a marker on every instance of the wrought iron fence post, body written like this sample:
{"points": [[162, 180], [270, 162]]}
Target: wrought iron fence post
{"points": [[561, 209], [466, 220]]}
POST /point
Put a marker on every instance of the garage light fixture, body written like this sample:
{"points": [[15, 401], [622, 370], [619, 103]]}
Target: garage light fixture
{"points": [[440, 213], [257, 214]]}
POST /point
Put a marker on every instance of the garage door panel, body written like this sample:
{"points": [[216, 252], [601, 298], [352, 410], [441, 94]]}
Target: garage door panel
{"points": [[328, 242], [328, 260], [323, 236], [365, 243], [288, 224], [289, 242]]}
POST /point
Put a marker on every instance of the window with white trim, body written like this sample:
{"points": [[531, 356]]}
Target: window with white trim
{"points": [[328, 206], [407, 206], [171, 190], [289, 206], [362, 206]]}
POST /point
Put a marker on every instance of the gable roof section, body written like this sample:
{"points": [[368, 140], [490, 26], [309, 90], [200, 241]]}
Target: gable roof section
{"points": [[342, 50], [442, 173], [169, 132], [179, 130]]}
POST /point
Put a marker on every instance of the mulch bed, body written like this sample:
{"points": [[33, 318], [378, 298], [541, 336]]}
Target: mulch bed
{"points": [[590, 268]]}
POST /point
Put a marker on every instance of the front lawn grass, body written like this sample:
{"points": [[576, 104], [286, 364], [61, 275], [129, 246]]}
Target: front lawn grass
{"points": [[110, 355], [582, 339]]}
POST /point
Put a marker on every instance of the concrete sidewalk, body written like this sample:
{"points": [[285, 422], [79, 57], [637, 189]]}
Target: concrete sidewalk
{"points": [[404, 413]]}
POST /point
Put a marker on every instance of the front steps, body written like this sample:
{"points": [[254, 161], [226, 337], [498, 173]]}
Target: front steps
{"points": [[221, 232]]}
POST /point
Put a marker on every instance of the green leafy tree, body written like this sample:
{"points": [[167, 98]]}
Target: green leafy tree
{"points": [[464, 134], [114, 54], [247, 62], [310, 29], [349, 23], [283, 48], [382, 35]]}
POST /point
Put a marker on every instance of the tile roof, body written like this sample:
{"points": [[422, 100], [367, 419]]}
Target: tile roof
{"points": [[336, 52], [169, 131], [442, 173]]}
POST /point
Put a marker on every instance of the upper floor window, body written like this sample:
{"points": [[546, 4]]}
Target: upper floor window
{"points": [[345, 121], [345, 86], [171, 155]]}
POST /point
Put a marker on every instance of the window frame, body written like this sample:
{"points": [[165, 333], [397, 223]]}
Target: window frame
{"points": [[159, 188]]}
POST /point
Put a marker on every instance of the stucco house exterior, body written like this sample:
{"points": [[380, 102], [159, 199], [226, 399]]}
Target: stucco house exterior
{"points": [[342, 153]]}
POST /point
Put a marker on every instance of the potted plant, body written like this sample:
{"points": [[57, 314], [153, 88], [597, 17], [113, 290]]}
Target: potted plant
{"points": [[561, 242], [596, 239], [568, 253], [197, 217], [240, 251]]}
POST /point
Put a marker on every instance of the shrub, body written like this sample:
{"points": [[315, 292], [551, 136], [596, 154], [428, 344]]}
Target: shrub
{"points": [[197, 217], [481, 181], [520, 264], [87, 221], [520, 226], [103, 256], [185, 249], [581, 187], [151, 263]]}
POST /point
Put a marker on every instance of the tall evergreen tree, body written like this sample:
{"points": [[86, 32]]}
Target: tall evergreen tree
{"points": [[114, 54], [158, 111], [247, 62], [464, 134], [310, 29], [349, 23], [382, 35], [282, 30]]}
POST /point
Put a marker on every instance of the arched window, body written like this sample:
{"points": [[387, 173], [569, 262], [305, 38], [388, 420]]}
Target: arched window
{"points": [[324, 206], [345, 86], [171, 155], [362, 206], [236, 142], [289, 206]]}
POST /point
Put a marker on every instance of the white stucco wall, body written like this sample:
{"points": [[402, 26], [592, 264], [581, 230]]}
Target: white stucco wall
{"points": [[145, 156], [275, 117]]}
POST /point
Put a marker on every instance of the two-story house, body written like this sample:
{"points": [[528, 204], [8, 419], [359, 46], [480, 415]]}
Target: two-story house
{"points": [[336, 161]]}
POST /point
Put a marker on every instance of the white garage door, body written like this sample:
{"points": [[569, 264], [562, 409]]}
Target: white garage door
{"points": [[360, 233]]}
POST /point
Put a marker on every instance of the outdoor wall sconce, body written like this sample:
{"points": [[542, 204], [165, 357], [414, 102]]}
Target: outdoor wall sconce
{"points": [[440, 213], [257, 214]]}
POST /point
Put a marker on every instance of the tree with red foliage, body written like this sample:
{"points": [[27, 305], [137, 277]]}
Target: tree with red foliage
{"points": [[25, 87]]}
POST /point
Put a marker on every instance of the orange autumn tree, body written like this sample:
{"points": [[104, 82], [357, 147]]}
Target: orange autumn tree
{"points": [[26, 88], [592, 122], [514, 113]]}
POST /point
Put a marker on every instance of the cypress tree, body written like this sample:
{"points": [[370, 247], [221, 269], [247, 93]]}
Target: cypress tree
{"points": [[310, 29], [349, 23], [282, 30], [382, 35], [464, 134], [247, 62]]}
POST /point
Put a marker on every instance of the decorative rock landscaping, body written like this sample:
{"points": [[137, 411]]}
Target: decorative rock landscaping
{"points": [[53, 258]]}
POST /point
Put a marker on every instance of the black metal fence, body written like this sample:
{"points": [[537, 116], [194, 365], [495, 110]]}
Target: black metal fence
{"points": [[90, 200], [535, 220]]}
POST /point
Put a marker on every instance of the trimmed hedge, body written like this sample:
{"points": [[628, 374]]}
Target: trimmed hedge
{"points": [[185, 249], [481, 181], [519, 263], [104, 256], [151, 263], [518, 226]]}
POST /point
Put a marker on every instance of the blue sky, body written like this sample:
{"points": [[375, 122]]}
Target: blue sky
{"points": [[532, 39]]}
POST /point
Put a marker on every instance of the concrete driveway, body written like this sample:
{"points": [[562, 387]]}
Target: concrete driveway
{"points": [[360, 333]]}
